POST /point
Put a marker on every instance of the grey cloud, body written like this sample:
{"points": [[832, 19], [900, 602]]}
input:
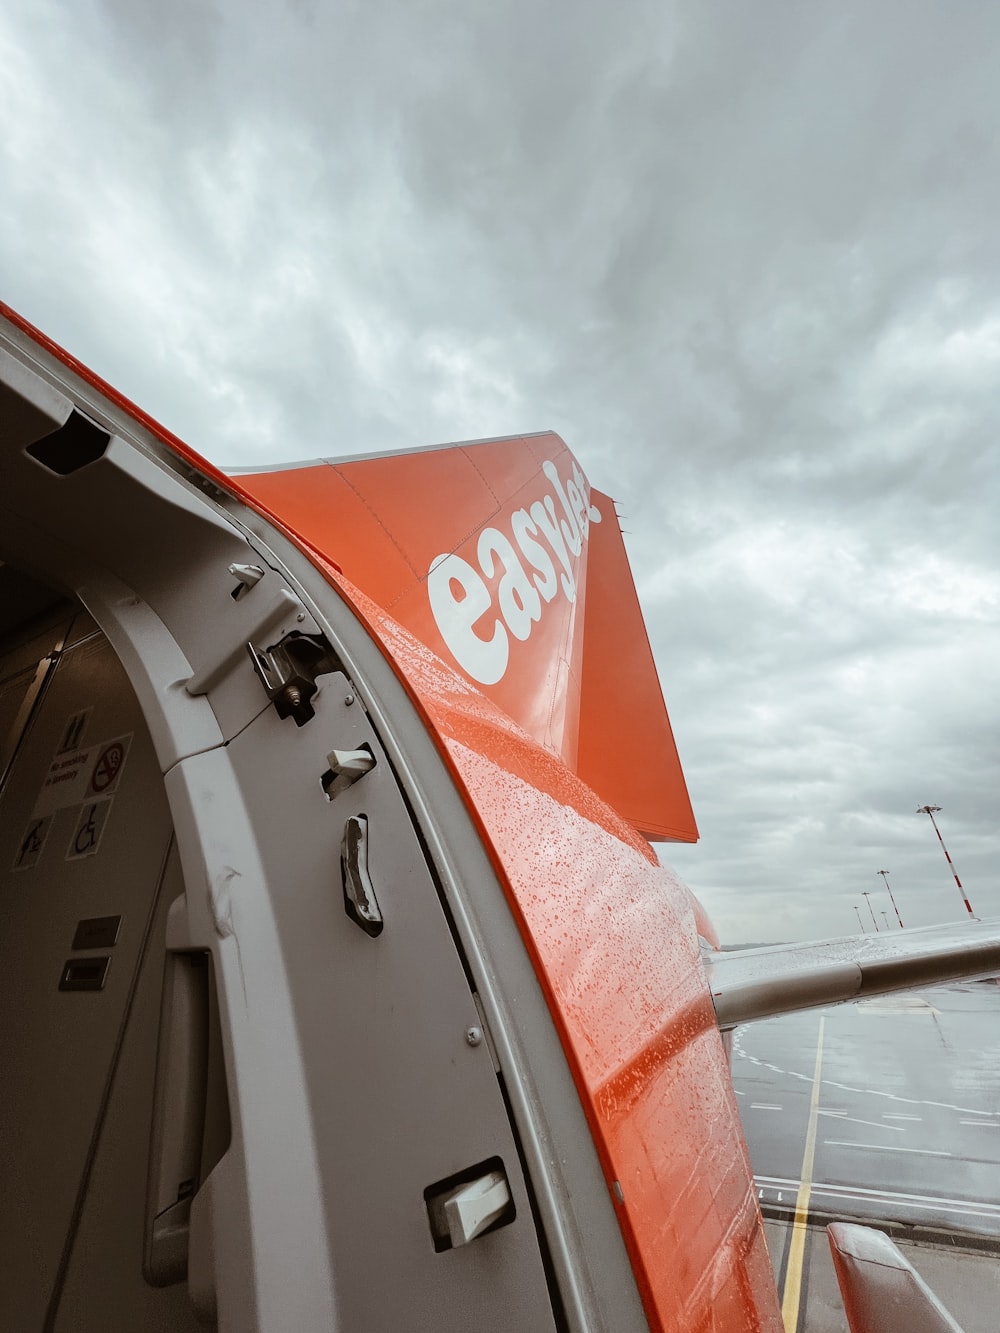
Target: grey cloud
{"points": [[744, 258]]}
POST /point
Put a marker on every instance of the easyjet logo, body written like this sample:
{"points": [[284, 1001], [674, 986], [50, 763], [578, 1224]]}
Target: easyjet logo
{"points": [[534, 561]]}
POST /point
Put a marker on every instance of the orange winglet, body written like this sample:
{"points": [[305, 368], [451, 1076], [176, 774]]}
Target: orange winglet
{"points": [[627, 750], [499, 558]]}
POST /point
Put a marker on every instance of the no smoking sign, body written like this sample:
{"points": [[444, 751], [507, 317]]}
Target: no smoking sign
{"points": [[82, 775], [107, 768]]}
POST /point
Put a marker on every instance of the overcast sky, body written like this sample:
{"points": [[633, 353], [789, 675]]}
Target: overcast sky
{"points": [[744, 258]]}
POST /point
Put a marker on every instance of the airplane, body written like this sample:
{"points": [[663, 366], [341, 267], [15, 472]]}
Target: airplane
{"points": [[344, 986]]}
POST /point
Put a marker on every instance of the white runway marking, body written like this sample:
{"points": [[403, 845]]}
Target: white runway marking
{"points": [[888, 1115], [884, 1147], [932, 1201], [764, 1106], [875, 1124], [897, 1004], [986, 1124]]}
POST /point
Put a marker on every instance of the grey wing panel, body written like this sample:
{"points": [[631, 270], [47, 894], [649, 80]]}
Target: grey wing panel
{"points": [[883, 1293], [749, 984]]}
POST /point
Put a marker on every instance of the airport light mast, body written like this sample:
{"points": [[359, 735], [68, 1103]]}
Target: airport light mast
{"points": [[868, 899], [930, 811], [885, 876], [860, 922]]}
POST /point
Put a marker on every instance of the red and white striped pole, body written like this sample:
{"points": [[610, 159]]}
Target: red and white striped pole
{"points": [[885, 876], [930, 810]]}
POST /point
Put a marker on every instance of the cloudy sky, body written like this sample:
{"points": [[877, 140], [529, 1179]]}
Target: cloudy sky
{"points": [[745, 258]]}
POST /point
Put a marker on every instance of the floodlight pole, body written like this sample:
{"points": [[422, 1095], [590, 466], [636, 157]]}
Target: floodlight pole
{"points": [[860, 922], [885, 876], [868, 899], [930, 811]]}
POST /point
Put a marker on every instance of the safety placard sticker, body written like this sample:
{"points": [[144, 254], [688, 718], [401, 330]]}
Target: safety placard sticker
{"points": [[89, 828], [83, 775], [73, 730], [32, 844]]}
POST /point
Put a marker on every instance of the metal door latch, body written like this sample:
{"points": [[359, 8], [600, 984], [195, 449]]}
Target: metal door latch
{"points": [[247, 577], [288, 671], [346, 766], [469, 1204]]}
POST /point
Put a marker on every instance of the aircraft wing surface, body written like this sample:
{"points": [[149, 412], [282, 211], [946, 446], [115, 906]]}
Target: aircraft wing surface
{"points": [[776, 979]]}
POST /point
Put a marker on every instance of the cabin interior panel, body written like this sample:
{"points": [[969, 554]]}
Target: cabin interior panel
{"points": [[85, 837]]}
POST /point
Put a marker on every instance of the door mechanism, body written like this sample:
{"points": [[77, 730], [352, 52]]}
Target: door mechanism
{"points": [[360, 902], [288, 670], [346, 766], [469, 1204]]}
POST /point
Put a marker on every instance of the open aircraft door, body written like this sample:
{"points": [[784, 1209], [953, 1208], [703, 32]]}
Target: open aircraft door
{"points": [[260, 1069]]}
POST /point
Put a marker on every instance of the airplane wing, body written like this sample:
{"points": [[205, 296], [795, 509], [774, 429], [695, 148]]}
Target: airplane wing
{"points": [[882, 1291], [749, 984]]}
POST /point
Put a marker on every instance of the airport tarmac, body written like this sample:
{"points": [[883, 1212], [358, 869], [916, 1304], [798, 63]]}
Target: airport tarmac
{"points": [[885, 1112]]}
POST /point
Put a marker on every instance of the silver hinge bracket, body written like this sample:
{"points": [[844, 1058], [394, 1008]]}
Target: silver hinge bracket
{"points": [[289, 669]]}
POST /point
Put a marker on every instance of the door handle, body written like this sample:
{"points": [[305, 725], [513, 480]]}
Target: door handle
{"points": [[190, 1128]]}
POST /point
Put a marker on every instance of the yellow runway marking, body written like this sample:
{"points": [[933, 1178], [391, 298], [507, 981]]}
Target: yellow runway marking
{"points": [[792, 1294]]}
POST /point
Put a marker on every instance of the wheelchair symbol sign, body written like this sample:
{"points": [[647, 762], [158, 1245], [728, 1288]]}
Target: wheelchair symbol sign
{"points": [[89, 828]]}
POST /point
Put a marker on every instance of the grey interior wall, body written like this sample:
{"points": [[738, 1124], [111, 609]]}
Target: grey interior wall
{"points": [[78, 1064]]}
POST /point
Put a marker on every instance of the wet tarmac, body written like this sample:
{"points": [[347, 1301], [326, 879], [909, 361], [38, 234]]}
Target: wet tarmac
{"points": [[885, 1112]]}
